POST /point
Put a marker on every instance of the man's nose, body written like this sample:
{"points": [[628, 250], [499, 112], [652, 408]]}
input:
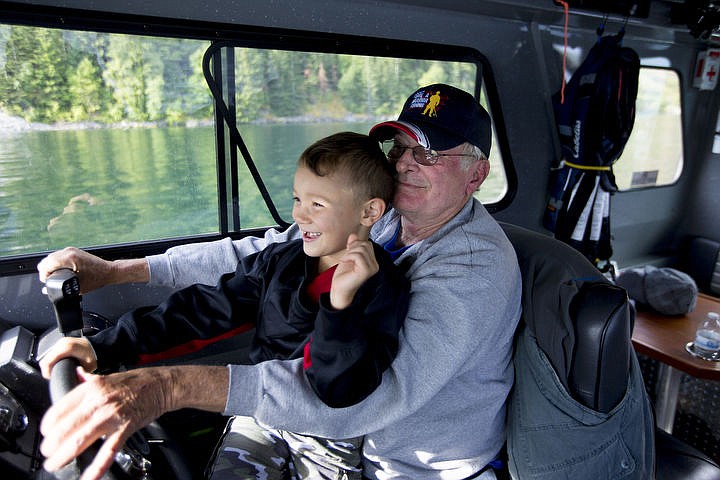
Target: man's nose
{"points": [[406, 161]]}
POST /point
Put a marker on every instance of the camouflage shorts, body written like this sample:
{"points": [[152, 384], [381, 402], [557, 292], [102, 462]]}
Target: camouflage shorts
{"points": [[251, 451]]}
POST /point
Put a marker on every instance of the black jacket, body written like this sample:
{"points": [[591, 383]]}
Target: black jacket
{"points": [[350, 348]]}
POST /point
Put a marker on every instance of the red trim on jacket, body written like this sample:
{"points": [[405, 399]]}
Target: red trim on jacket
{"points": [[320, 284], [191, 346]]}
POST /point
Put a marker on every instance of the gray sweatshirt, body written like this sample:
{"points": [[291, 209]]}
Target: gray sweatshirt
{"points": [[439, 412]]}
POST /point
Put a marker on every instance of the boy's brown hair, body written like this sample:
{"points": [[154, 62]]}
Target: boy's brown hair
{"points": [[359, 158]]}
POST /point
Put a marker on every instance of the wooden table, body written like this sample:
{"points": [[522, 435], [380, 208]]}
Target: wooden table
{"points": [[664, 338]]}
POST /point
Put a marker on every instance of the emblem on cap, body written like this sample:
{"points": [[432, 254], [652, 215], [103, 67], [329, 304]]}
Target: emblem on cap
{"points": [[431, 107], [426, 100]]}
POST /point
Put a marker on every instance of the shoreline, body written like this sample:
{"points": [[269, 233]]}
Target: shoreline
{"points": [[13, 124]]}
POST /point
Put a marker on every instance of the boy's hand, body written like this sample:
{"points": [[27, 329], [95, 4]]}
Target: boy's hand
{"points": [[357, 265], [78, 348]]}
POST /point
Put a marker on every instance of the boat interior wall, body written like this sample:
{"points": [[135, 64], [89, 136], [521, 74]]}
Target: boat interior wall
{"points": [[700, 208]]}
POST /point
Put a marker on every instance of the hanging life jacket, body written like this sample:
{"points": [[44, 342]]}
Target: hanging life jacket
{"points": [[594, 122]]}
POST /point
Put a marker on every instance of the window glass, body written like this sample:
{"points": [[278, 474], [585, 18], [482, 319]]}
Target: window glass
{"points": [[280, 114], [104, 139], [653, 155], [109, 138]]}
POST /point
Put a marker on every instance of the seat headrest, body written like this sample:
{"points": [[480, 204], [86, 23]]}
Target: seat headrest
{"points": [[553, 273]]}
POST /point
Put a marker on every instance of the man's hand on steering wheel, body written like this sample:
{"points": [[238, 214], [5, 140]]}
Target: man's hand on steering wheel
{"points": [[102, 407]]}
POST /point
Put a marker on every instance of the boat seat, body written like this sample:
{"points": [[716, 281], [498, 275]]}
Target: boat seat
{"points": [[579, 408]]}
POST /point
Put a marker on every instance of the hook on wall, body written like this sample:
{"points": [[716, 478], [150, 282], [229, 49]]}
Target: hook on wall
{"points": [[601, 28]]}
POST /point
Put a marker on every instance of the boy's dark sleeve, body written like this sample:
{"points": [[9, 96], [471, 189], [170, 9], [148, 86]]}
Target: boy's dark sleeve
{"points": [[195, 312], [351, 348]]}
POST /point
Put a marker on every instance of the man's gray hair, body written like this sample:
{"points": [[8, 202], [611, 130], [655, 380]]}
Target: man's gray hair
{"points": [[476, 153]]}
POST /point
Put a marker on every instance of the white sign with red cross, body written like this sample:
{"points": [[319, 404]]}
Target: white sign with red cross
{"points": [[707, 68]]}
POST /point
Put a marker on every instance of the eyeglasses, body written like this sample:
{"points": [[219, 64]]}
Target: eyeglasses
{"points": [[394, 150]]}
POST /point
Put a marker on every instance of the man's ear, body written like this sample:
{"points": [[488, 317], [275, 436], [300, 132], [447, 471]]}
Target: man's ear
{"points": [[373, 209], [480, 172]]}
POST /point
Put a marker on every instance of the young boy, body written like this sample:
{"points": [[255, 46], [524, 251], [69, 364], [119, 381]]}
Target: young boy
{"points": [[333, 298]]}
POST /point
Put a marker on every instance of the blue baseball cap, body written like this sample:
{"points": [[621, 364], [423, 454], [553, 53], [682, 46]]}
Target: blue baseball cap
{"points": [[440, 117]]}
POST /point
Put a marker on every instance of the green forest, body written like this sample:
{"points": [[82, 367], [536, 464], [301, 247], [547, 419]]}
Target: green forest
{"points": [[54, 76], [51, 76]]}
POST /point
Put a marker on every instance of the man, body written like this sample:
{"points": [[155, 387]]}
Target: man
{"points": [[439, 411]]}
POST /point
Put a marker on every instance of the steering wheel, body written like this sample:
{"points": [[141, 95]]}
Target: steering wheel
{"points": [[63, 379], [130, 463]]}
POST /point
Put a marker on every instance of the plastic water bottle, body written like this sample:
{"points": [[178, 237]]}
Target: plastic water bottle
{"points": [[707, 338]]}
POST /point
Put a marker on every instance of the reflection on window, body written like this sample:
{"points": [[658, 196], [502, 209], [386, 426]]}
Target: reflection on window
{"points": [[108, 138], [653, 155]]}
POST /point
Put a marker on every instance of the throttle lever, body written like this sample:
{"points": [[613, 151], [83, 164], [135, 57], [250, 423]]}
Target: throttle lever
{"points": [[63, 289]]}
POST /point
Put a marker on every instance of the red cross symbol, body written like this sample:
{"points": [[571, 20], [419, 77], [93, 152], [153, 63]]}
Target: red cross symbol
{"points": [[711, 72]]}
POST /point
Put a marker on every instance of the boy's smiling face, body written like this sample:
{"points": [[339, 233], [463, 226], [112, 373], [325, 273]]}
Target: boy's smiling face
{"points": [[327, 210]]}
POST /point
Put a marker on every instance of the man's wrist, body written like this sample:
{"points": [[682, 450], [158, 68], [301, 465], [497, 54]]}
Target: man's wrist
{"points": [[134, 270], [195, 386]]}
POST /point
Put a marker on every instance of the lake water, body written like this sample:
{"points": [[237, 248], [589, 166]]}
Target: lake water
{"points": [[108, 186]]}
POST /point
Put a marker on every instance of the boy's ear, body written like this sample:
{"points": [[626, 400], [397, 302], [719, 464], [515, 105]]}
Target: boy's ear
{"points": [[373, 209]]}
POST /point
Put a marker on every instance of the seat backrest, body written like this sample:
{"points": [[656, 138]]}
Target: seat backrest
{"points": [[581, 321], [579, 408]]}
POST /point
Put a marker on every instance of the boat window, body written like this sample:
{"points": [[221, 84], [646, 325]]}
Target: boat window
{"points": [[274, 103], [104, 139], [653, 155], [115, 138]]}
